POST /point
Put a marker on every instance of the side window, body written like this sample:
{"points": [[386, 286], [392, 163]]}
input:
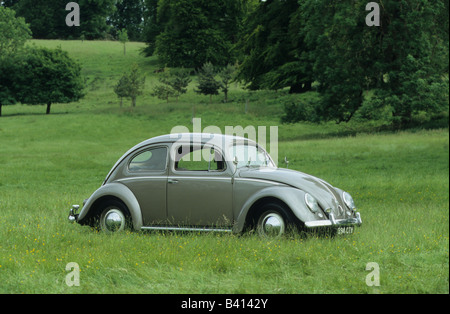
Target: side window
{"points": [[198, 158], [150, 160]]}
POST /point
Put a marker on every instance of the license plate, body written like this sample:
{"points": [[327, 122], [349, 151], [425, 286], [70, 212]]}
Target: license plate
{"points": [[345, 230]]}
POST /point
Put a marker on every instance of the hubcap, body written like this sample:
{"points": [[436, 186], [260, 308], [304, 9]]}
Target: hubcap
{"points": [[114, 220], [272, 225]]}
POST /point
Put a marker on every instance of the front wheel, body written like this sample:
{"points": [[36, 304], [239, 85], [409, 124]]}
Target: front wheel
{"points": [[272, 222], [114, 217]]}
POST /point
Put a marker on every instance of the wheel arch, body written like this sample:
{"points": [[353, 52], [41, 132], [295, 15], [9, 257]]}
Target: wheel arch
{"points": [[112, 191], [291, 199], [255, 209]]}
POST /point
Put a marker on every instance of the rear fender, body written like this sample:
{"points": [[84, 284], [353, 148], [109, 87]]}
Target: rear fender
{"points": [[119, 191]]}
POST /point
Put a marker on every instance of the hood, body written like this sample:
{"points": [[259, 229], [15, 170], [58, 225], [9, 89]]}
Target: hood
{"points": [[325, 193]]}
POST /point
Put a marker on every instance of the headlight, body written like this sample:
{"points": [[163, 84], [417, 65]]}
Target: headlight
{"points": [[312, 203], [348, 200]]}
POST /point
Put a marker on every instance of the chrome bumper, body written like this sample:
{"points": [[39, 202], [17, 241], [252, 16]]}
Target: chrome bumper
{"points": [[335, 223], [73, 215]]}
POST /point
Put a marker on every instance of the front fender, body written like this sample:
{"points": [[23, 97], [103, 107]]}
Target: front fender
{"points": [[121, 192], [292, 197]]}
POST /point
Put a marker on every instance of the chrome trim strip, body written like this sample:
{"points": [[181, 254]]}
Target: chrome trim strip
{"points": [[259, 180], [186, 229]]}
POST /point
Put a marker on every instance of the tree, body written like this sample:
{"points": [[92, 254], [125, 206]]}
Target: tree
{"points": [[275, 55], [47, 18], [179, 80], [207, 84], [227, 75], [402, 61], [121, 88], [49, 76], [163, 91], [128, 15], [151, 26], [130, 85], [191, 32], [8, 71], [13, 34], [123, 38]]}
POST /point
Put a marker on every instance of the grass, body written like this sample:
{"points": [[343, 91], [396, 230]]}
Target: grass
{"points": [[399, 180]]}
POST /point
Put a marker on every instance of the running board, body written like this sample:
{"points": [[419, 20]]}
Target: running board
{"points": [[186, 229]]}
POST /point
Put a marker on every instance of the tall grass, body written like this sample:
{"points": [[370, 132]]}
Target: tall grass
{"points": [[400, 183]]}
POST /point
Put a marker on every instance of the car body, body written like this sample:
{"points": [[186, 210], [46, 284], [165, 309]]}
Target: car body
{"points": [[212, 182]]}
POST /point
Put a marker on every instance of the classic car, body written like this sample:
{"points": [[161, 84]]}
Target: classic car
{"points": [[212, 182]]}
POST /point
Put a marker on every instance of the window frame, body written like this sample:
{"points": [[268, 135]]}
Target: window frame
{"points": [[142, 151], [202, 146]]}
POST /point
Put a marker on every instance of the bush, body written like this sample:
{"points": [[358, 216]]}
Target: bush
{"points": [[304, 109]]}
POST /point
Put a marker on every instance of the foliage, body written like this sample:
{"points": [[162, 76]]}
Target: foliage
{"points": [[47, 76], [273, 49], [130, 85], [227, 76], [122, 35], [179, 81], [14, 32], [163, 91], [121, 88], [302, 110], [402, 60], [47, 18], [207, 84], [173, 83], [128, 15], [192, 32]]}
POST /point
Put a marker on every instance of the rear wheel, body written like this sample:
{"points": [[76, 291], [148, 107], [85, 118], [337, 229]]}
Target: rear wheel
{"points": [[114, 217]]}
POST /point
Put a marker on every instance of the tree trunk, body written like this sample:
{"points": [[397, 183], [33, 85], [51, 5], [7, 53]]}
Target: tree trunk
{"points": [[133, 101], [0, 109], [48, 107]]}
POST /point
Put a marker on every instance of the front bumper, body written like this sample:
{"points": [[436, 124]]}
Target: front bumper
{"points": [[335, 223], [73, 215]]}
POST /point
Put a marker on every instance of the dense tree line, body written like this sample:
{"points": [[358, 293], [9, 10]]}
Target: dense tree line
{"points": [[398, 67]]}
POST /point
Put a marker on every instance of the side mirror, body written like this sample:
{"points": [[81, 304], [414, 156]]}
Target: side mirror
{"points": [[235, 160], [286, 162]]}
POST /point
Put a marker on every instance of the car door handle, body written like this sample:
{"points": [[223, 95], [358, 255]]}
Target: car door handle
{"points": [[172, 181]]}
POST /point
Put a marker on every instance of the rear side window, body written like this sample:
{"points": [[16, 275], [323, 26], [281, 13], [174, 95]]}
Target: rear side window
{"points": [[198, 158], [149, 160]]}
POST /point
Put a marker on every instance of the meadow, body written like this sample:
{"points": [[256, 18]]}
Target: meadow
{"points": [[399, 180]]}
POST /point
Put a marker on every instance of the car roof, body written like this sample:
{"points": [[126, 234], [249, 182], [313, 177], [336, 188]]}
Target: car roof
{"points": [[212, 138], [219, 140]]}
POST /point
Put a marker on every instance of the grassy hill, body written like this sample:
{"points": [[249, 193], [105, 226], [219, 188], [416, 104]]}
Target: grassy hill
{"points": [[399, 181]]}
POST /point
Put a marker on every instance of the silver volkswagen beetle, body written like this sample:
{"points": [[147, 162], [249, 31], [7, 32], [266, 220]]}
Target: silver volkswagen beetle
{"points": [[212, 182]]}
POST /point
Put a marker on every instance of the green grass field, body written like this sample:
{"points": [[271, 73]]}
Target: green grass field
{"points": [[399, 181]]}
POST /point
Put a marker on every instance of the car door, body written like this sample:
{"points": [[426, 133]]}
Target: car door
{"points": [[146, 177], [199, 188]]}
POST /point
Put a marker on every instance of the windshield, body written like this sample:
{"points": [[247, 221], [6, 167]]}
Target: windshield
{"points": [[251, 156]]}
